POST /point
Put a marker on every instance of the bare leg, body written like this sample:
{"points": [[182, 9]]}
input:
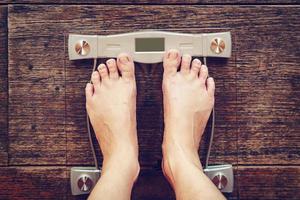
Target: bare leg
{"points": [[111, 106], [188, 101]]}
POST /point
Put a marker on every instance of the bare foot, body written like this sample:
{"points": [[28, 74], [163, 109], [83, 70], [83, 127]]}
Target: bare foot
{"points": [[188, 101], [111, 106]]}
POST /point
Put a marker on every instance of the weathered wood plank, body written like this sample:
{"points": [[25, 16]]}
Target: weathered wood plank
{"points": [[38, 141], [3, 86], [34, 183], [112, 19], [36, 98], [187, 2], [269, 183], [152, 184], [78, 146], [268, 86]]}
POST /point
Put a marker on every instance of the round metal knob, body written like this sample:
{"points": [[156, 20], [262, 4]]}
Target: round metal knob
{"points": [[217, 45], [220, 181], [85, 183], [82, 48]]}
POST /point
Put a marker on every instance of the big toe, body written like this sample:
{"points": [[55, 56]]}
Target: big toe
{"points": [[126, 66], [89, 91], [171, 62]]}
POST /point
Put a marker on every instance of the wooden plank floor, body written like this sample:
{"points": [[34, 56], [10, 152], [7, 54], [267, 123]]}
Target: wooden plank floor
{"points": [[42, 116], [3, 86], [174, 2]]}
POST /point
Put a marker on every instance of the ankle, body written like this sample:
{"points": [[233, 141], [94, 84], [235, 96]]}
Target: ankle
{"points": [[177, 158], [122, 160], [126, 167]]}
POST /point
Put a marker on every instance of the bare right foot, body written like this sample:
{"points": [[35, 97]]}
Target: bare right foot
{"points": [[188, 101], [111, 106]]}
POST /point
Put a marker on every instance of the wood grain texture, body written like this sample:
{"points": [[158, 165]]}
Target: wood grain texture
{"points": [[172, 2], [36, 100], [268, 183], [34, 183], [3, 86], [268, 87]]}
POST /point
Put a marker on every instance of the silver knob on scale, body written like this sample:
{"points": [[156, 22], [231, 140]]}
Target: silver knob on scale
{"points": [[85, 183], [220, 181], [217, 45], [82, 48]]}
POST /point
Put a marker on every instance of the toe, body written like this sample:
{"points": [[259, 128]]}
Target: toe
{"points": [[211, 86], [95, 78], [126, 66], [89, 90], [203, 73], [196, 65], [112, 67], [185, 64], [102, 69], [171, 62]]}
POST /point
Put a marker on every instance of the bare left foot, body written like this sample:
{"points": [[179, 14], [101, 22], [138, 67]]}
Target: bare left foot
{"points": [[188, 100]]}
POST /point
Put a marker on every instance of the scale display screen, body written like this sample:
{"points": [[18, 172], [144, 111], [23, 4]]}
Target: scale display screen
{"points": [[149, 44]]}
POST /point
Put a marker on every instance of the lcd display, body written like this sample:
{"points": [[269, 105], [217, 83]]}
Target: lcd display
{"points": [[149, 44]]}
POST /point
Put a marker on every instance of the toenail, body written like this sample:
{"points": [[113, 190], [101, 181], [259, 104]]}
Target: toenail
{"points": [[101, 66], [173, 55], [109, 61], [197, 61], [124, 59]]}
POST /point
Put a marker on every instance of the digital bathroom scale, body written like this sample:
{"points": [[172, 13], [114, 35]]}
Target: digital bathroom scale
{"points": [[149, 47]]}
